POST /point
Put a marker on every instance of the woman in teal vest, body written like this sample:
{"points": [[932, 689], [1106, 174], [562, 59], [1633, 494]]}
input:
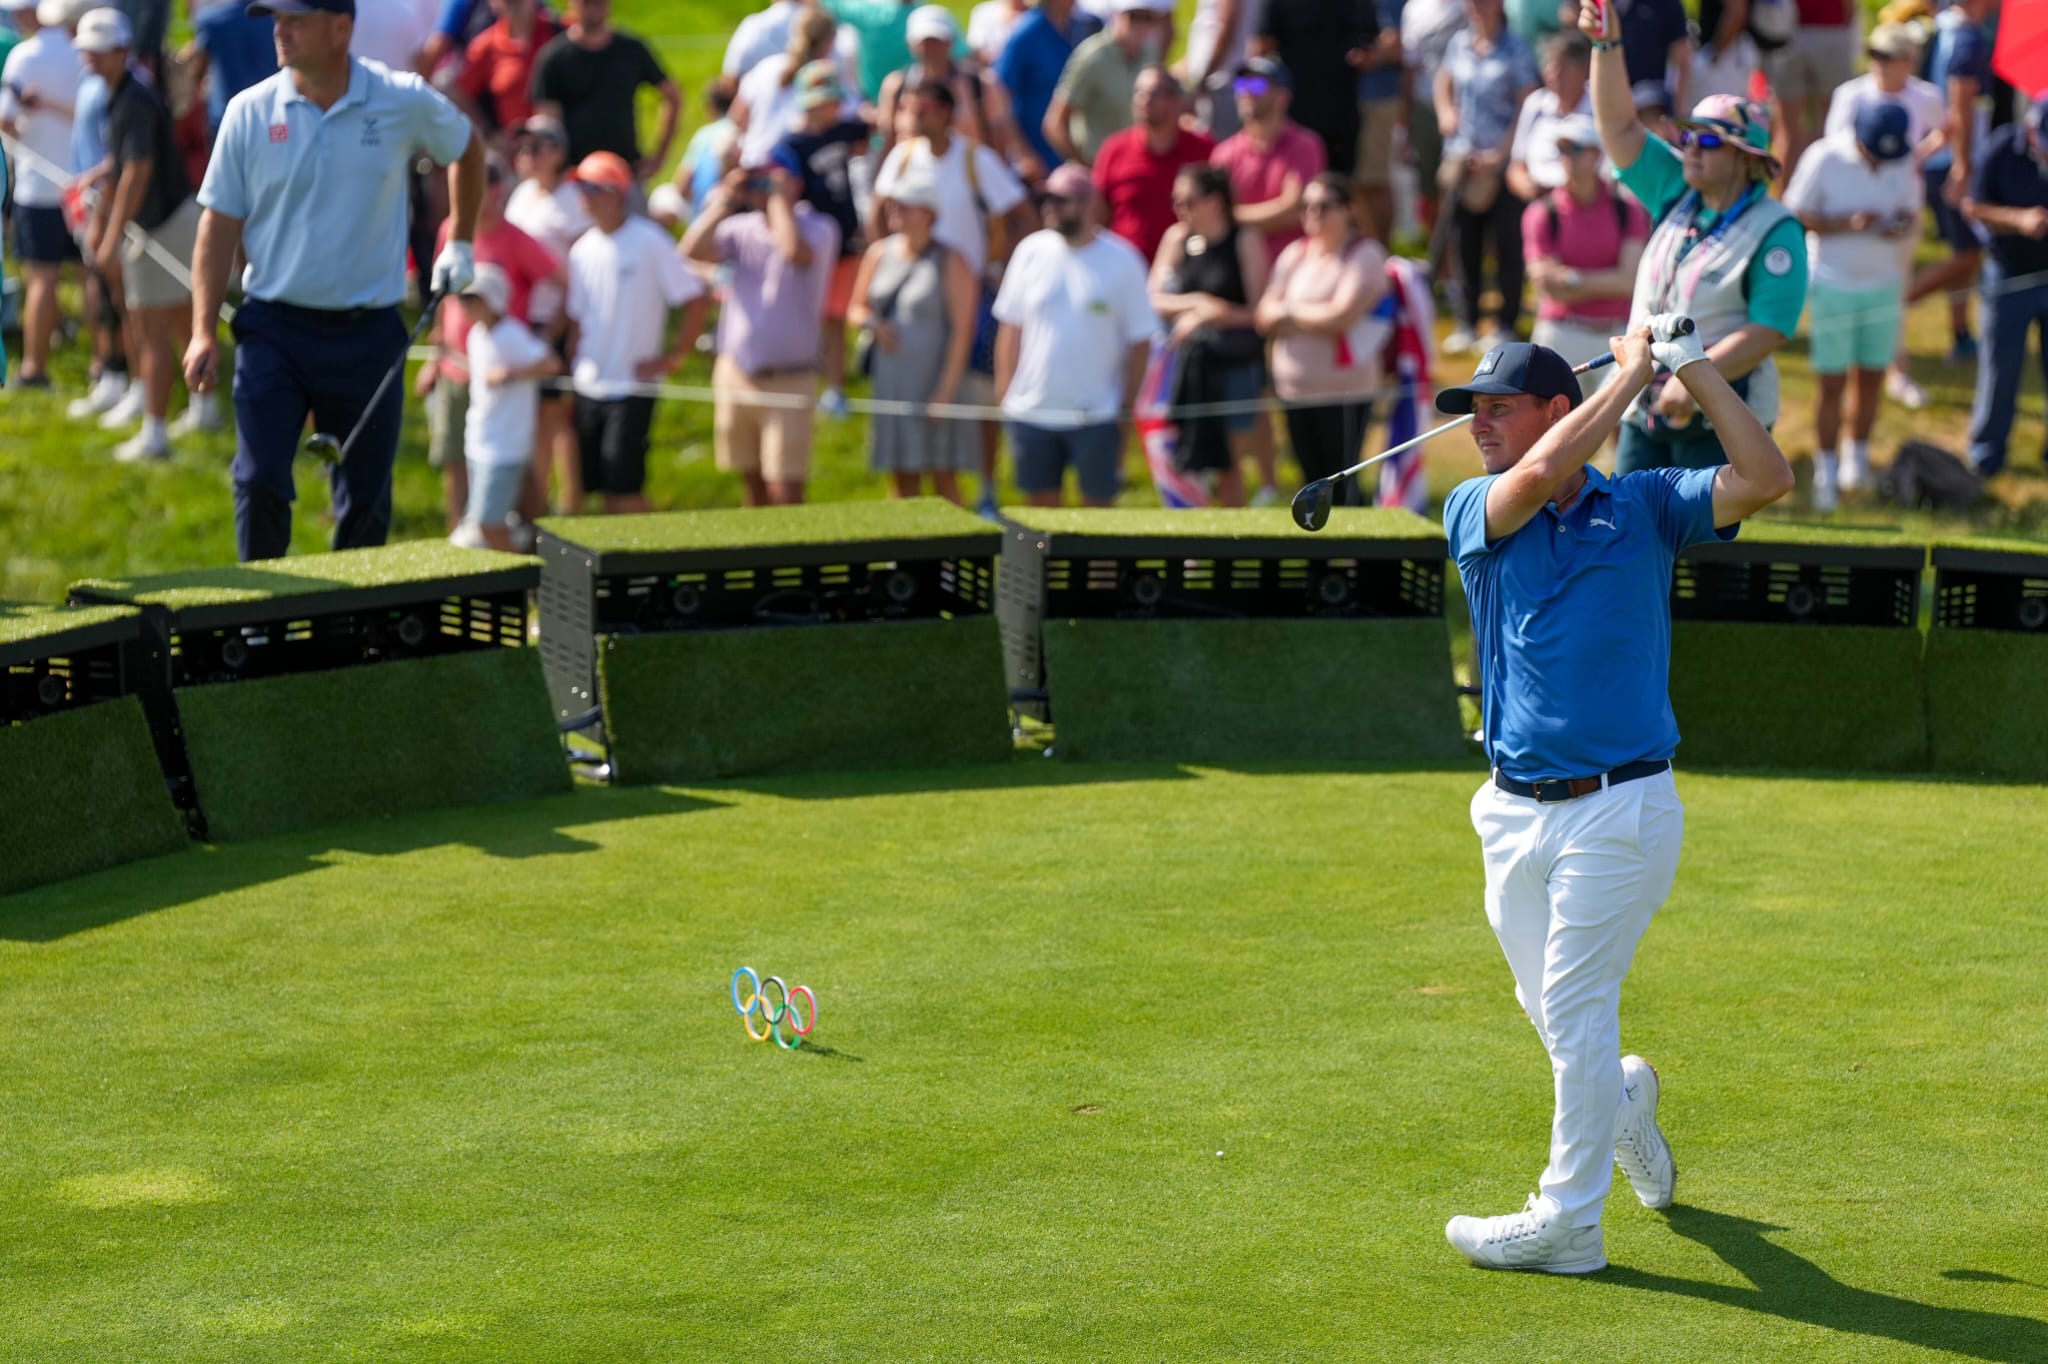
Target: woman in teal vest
{"points": [[1724, 253]]}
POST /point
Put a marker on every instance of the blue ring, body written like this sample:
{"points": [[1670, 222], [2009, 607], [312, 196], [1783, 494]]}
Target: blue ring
{"points": [[748, 972]]}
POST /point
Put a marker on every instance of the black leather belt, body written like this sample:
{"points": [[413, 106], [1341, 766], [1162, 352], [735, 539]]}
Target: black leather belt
{"points": [[325, 316], [1571, 788]]}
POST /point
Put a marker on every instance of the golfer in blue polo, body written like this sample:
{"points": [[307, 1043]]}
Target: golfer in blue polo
{"points": [[1568, 573], [309, 179]]}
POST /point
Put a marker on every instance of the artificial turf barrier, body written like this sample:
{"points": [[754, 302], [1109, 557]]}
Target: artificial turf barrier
{"points": [[82, 791], [470, 1086]]}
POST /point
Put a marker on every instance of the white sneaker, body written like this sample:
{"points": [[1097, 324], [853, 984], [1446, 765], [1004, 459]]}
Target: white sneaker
{"points": [[141, 446], [1639, 1146], [1266, 496], [468, 535], [125, 412], [1854, 472], [104, 393], [1459, 342], [1899, 386], [1529, 1239], [1826, 497], [201, 414]]}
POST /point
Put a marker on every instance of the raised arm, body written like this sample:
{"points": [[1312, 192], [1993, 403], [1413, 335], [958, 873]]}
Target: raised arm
{"points": [[1614, 107]]}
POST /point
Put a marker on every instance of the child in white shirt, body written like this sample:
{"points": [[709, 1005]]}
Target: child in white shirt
{"points": [[506, 363]]}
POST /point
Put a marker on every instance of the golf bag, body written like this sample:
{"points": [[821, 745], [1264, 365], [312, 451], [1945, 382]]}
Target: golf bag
{"points": [[1924, 475]]}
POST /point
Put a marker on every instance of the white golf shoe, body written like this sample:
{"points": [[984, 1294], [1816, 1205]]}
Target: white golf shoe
{"points": [[1529, 1239], [104, 393], [126, 411], [1639, 1146]]}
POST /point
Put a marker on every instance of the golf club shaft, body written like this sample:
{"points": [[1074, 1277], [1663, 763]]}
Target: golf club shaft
{"points": [[419, 329], [1596, 362]]}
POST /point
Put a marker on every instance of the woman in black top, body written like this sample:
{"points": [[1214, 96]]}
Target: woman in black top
{"points": [[1206, 283]]}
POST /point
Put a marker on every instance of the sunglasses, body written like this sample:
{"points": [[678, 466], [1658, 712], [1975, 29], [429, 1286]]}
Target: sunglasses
{"points": [[1706, 142], [1253, 86]]}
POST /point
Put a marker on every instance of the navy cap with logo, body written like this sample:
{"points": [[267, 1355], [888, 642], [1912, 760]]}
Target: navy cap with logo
{"points": [[1515, 368], [1881, 128], [263, 7]]}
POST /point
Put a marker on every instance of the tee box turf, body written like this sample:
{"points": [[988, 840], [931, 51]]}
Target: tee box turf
{"points": [[748, 641], [322, 688], [1986, 655], [83, 787], [1799, 647], [1230, 635]]}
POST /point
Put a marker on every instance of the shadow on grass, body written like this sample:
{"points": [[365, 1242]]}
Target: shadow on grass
{"points": [[814, 1049], [1022, 772], [513, 831], [1796, 1289]]}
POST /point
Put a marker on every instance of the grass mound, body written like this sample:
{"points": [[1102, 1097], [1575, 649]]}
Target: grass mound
{"points": [[81, 791]]}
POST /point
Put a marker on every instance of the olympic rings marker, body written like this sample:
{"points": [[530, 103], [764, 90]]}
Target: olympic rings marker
{"points": [[774, 1015]]}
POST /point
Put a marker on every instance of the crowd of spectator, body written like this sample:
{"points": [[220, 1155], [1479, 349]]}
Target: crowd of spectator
{"points": [[1022, 217]]}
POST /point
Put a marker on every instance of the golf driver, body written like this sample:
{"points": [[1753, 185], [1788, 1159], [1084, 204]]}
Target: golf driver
{"points": [[322, 445], [1312, 503]]}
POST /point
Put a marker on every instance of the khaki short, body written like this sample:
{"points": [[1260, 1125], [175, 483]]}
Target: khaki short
{"points": [[447, 414], [1815, 63], [1377, 120], [146, 281], [774, 442]]}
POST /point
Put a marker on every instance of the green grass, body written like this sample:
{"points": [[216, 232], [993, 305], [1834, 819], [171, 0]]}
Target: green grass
{"points": [[468, 1087], [747, 527], [309, 749], [1378, 523], [83, 791], [388, 566], [708, 704], [21, 622]]}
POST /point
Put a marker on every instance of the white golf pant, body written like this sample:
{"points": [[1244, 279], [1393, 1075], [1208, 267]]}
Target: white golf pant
{"points": [[1570, 887]]}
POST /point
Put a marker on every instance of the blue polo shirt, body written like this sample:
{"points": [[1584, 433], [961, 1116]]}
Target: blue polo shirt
{"points": [[1571, 619], [2007, 176], [322, 196], [1030, 70], [240, 51]]}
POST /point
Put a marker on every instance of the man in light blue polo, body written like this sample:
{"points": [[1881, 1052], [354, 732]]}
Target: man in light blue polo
{"points": [[1568, 573], [309, 179]]}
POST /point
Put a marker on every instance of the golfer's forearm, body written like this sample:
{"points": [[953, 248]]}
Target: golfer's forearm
{"points": [[466, 191], [219, 238], [1572, 442]]}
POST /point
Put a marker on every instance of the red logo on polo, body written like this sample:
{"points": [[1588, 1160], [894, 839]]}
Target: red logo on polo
{"points": [[280, 132]]}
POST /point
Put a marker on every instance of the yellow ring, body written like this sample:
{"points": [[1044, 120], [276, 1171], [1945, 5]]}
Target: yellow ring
{"points": [[747, 1020]]}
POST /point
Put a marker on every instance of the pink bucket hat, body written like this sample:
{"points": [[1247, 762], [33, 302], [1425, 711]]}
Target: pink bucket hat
{"points": [[1745, 126]]}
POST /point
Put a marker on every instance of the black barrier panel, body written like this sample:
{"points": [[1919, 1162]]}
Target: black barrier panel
{"points": [[1199, 574], [895, 562], [1976, 589], [1769, 583], [284, 644], [68, 669]]}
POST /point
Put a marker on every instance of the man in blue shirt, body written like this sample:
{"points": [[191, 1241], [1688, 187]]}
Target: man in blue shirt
{"points": [[233, 49], [1031, 64], [1568, 574], [309, 178], [2008, 198]]}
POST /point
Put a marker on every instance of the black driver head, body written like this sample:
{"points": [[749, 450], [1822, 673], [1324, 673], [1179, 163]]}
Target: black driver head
{"points": [[1312, 504], [323, 447]]}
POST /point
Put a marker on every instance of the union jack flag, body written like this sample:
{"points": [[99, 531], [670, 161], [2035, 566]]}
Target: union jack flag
{"points": [[1411, 349], [1159, 434]]}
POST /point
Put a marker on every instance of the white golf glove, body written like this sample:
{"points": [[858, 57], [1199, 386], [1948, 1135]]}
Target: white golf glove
{"points": [[454, 268], [1674, 353]]}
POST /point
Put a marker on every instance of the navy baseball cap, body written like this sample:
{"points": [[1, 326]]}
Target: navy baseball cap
{"points": [[1515, 368], [1882, 129], [267, 7]]}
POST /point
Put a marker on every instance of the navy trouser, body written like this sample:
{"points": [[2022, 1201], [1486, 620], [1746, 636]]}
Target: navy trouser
{"points": [[293, 361], [2008, 315]]}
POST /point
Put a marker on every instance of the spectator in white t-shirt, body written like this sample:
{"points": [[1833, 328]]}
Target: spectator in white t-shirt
{"points": [[1534, 163], [38, 90], [1894, 51], [624, 276], [393, 31], [1076, 326], [989, 26], [766, 106], [547, 206], [1859, 194], [506, 363]]}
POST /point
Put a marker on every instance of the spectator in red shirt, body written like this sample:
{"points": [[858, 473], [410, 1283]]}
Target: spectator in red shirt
{"points": [[1134, 169], [1272, 161], [495, 86], [444, 380]]}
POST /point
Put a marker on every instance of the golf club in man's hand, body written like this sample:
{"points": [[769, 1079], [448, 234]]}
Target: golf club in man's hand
{"points": [[1673, 344], [322, 445]]}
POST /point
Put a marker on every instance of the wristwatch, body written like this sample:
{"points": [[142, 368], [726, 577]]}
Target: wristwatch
{"points": [[1600, 45]]}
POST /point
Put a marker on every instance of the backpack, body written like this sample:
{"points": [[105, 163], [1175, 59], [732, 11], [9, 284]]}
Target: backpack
{"points": [[1925, 475]]}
